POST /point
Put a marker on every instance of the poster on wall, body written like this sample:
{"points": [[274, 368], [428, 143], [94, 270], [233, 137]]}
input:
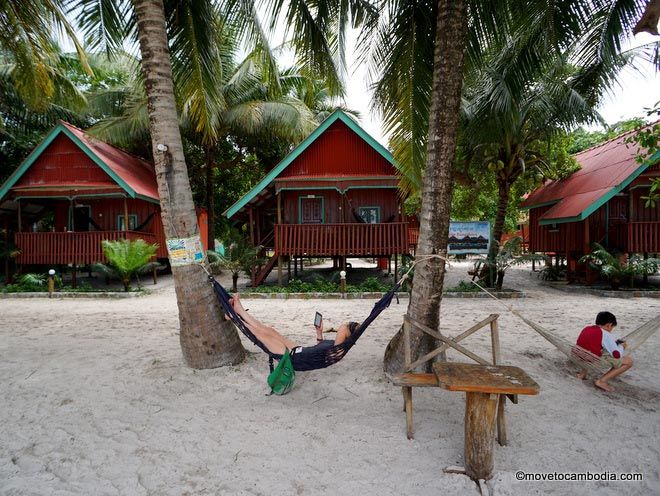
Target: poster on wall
{"points": [[468, 237]]}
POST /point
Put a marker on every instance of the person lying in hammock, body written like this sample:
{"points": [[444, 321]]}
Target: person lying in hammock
{"points": [[278, 344], [598, 340]]}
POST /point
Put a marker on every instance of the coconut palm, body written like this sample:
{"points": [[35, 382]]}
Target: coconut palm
{"points": [[593, 31], [508, 132], [27, 31]]}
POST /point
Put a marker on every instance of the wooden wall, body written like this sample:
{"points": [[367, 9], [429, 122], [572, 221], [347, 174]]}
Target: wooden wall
{"points": [[339, 152], [385, 198], [62, 162]]}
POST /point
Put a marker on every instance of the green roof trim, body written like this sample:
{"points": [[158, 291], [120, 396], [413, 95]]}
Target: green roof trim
{"points": [[295, 153], [36, 153], [607, 196]]}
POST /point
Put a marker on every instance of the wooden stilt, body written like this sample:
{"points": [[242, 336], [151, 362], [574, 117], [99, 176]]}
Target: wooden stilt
{"points": [[155, 275], [280, 277], [125, 214], [74, 282]]}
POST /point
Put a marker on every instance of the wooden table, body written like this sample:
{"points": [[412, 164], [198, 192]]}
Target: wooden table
{"points": [[483, 384]]}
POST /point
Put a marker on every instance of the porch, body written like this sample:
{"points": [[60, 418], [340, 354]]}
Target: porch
{"points": [[636, 237], [344, 240], [79, 248]]}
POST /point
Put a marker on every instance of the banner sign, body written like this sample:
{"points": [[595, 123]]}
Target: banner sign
{"points": [[468, 237], [185, 251]]}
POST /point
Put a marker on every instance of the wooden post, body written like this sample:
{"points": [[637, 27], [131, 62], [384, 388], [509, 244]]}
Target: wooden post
{"points": [[407, 390], [586, 250], [74, 279], [20, 223], [280, 277], [501, 418], [396, 267], [155, 276], [125, 214], [479, 434], [251, 226]]}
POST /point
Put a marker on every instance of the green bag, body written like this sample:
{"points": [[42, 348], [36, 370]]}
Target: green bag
{"points": [[281, 379]]}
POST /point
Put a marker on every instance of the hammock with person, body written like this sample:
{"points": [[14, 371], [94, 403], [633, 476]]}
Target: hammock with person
{"points": [[310, 358], [578, 355]]}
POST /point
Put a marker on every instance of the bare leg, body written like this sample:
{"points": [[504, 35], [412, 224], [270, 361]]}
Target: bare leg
{"points": [[273, 340], [602, 383], [582, 374]]}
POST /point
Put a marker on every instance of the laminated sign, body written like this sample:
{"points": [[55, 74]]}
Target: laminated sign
{"points": [[185, 251]]}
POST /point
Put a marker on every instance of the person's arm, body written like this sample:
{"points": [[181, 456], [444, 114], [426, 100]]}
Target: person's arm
{"points": [[319, 332], [609, 343]]}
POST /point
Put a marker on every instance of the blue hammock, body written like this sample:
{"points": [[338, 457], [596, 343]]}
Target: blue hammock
{"points": [[314, 357]]}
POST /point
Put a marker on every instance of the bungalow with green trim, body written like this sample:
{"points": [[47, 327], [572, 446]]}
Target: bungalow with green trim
{"points": [[603, 202], [74, 191], [335, 195]]}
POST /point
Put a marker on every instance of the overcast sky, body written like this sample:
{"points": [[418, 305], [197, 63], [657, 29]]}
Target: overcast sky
{"points": [[638, 89]]}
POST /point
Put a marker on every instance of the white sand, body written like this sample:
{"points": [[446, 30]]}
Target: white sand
{"points": [[96, 400]]}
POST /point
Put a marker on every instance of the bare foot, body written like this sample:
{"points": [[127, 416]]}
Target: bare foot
{"points": [[603, 385], [582, 376]]}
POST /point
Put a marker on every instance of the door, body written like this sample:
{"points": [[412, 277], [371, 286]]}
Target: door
{"points": [[311, 210], [81, 216]]}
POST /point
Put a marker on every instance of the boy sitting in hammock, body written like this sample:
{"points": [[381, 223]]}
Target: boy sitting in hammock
{"points": [[598, 340], [278, 344]]}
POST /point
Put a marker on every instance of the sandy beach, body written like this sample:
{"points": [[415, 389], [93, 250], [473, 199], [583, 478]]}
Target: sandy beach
{"points": [[96, 400]]}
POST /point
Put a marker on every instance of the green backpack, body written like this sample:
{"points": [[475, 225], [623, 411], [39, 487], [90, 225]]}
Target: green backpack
{"points": [[281, 379]]}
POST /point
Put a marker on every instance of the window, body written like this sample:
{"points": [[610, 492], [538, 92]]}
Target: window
{"points": [[370, 215], [132, 222]]}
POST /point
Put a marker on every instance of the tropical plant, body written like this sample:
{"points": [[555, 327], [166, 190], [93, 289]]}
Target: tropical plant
{"points": [[27, 47], [620, 269], [127, 259], [508, 254], [240, 256]]}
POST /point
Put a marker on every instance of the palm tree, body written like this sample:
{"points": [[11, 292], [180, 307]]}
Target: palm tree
{"points": [[28, 47], [205, 340], [507, 130], [594, 30]]}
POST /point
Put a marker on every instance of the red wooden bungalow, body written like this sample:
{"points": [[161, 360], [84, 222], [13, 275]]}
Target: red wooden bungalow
{"points": [[335, 195], [92, 191], [602, 202]]}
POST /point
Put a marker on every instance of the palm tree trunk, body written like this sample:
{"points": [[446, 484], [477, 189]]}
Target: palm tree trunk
{"points": [[207, 340], [489, 271], [424, 306], [210, 196]]}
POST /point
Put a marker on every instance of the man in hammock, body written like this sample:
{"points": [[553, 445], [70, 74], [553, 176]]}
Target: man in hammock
{"points": [[598, 339], [278, 344]]}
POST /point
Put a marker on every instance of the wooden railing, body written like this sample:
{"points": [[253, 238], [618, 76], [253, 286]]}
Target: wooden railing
{"points": [[78, 248], [643, 237], [413, 236], [341, 239]]}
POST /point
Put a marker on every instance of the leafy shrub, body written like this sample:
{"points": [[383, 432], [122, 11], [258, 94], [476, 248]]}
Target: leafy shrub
{"points": [[127, 259]]}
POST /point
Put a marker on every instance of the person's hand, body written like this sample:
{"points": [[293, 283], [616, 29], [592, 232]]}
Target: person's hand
{"points": [[319, 331], [624, 344]]}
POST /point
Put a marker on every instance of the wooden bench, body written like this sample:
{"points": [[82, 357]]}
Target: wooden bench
{"points": [[407, 382]]}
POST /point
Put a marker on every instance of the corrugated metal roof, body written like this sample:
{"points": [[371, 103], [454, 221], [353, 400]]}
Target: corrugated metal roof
{"points": [[138, 174], [605, 169]]}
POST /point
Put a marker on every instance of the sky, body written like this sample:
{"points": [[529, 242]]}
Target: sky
{"points": [[638, 90]]}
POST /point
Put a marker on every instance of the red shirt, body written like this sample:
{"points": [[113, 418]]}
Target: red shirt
{"points": [[591, 339]]}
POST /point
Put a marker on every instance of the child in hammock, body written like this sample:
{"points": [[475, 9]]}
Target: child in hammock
{"points": [[278, 344], [598, 340]]}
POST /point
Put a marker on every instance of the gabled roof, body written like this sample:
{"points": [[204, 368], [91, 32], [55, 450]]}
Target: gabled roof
{"points": [[134, 175], [337, 115], [606, 169]]}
